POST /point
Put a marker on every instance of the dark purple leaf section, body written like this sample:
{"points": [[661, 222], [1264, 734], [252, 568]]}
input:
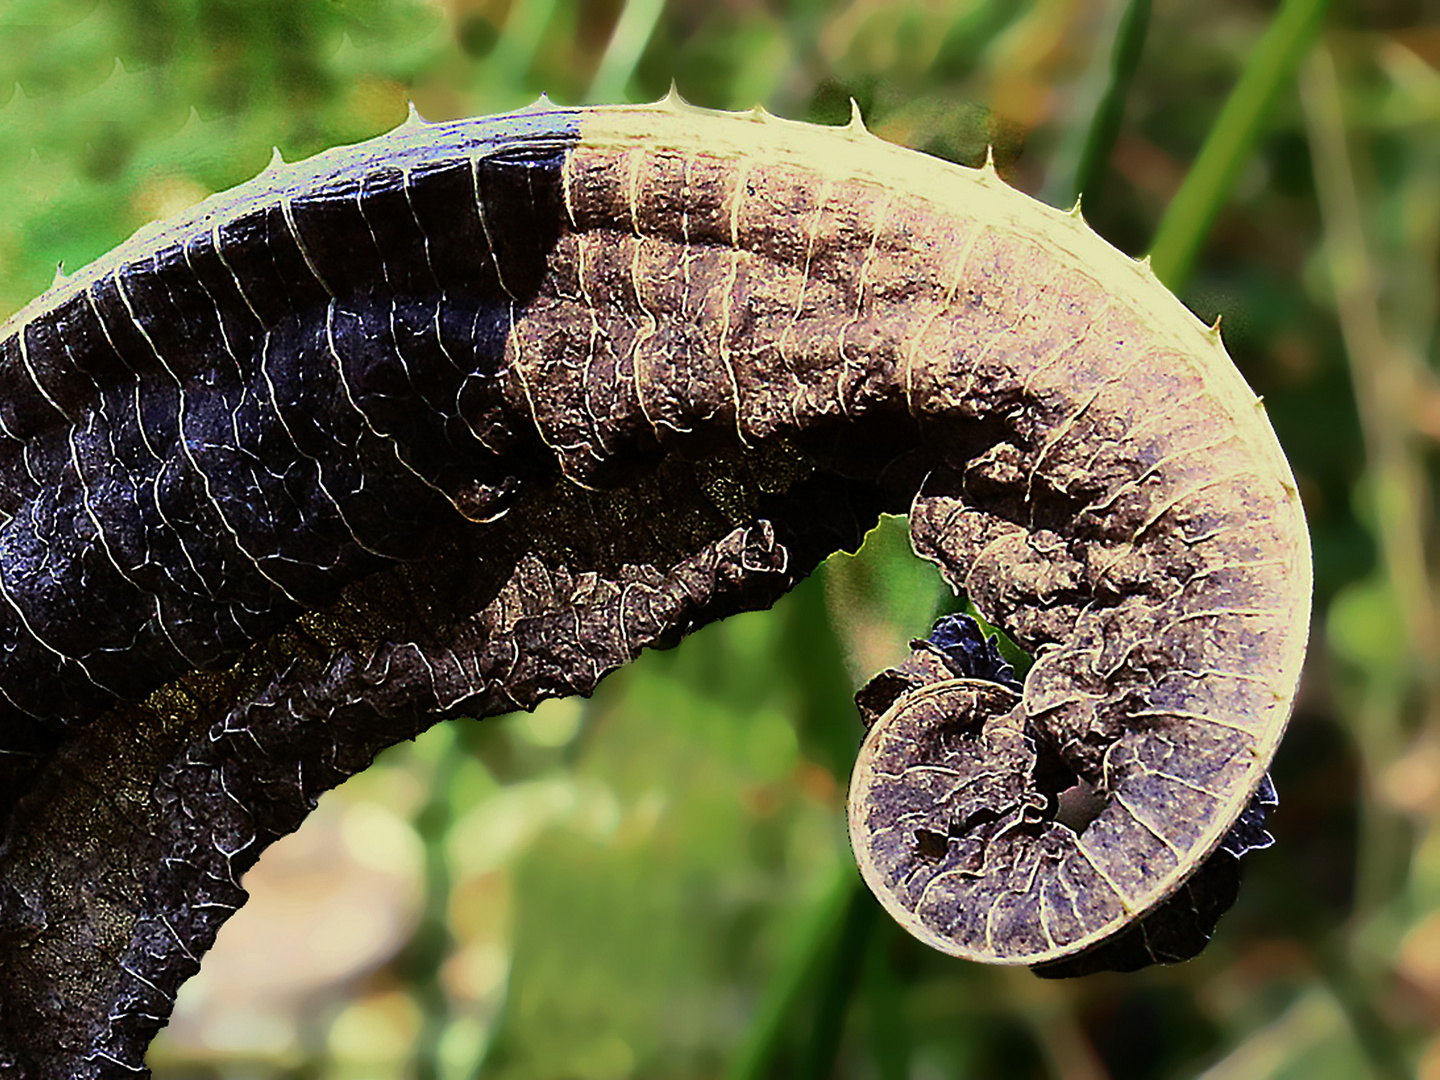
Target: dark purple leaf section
{"points": [[273, 510], [969, 654], [446, 424], [1181, 927], [206, 436]]}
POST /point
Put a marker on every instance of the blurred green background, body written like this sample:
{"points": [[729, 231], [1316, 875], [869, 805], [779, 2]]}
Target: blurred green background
{"points": [[656, 882]]}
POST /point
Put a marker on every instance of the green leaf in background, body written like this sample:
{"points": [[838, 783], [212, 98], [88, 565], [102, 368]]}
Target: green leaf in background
{"points": [[1232, 140]]}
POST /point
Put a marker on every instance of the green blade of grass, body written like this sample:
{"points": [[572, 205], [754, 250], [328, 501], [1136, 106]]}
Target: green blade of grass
{"points": [[842, 976], [885, 1005], [808, 950], [1082, 159], [510, 62], [1232, 138], [429, 947], [627, 42]]}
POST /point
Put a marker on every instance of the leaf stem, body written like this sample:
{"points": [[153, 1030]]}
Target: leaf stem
{"points": [[842, 975], [884, 1001], [808, 949], [1385, 375], [430, 946]]}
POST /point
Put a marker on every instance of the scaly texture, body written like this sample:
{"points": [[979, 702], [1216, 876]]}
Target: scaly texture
{"points": [[466, 416]]}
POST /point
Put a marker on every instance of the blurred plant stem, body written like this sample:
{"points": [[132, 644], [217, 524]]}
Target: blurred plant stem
{"points": [[627, 44], [1356, 997], [835, 934], [838, 983], [514, 53], [884, 1003], [1049, 1012], [808, 948], [1232, 138], [429, 947], [1384, 376], [1303, 1024], [1083, 157]]}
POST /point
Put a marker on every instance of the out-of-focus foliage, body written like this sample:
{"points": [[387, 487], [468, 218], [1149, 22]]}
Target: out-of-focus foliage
{"points": [[656, 883]]}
